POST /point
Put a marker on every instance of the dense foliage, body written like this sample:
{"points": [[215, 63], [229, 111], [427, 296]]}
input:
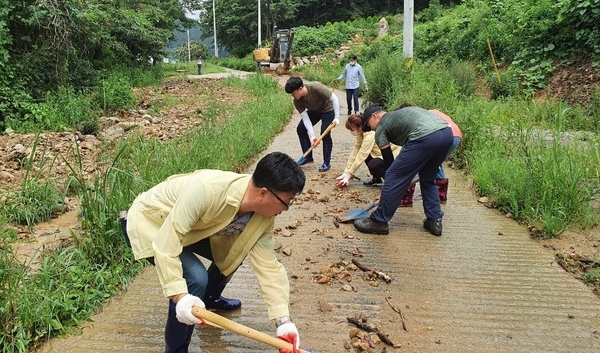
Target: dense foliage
{"points": [[46, 44], [531, 37]]}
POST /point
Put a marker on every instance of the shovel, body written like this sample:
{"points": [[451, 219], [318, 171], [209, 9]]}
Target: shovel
{"points": [[219, 321], [303, 158], [356, 214], [362, 212]]}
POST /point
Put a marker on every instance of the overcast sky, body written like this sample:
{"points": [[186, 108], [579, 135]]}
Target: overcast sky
{"points": [[194, 15]]}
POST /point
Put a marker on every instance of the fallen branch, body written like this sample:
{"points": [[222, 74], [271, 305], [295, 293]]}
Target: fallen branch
{"points": [[354, 253], [363, 326], [380, 274], [399, 312]]}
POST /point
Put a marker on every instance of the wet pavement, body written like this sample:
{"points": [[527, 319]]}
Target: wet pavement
{"points": [[483, 286]]}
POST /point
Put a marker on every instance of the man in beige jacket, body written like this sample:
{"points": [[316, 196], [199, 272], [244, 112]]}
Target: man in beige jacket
{"points": [[221, 216]]}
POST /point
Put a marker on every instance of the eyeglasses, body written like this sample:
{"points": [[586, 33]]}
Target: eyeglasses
{"points": [[285, 204]]}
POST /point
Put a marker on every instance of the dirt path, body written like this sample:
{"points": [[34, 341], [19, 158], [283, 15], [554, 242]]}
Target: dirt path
{"points": [[484, 286]]}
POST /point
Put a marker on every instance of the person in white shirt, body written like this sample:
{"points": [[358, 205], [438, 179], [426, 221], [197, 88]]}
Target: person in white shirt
{"points": [[315, 102], [353, 73], [199, 63]]}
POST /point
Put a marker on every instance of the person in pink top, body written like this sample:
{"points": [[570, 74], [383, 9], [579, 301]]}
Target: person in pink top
{"points": [[440, 178]]}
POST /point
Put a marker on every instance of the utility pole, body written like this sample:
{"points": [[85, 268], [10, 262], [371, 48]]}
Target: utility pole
{"points": [[259, 38], [215, 30], [188, 41], [407, 42]]}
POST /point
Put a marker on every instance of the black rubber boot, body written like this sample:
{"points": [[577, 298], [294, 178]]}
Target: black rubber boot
{"points": [[177, 335], [434, 226]]}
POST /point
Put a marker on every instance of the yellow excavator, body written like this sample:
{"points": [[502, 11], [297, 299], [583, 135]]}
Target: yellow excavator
{"points": [[278, 57]]}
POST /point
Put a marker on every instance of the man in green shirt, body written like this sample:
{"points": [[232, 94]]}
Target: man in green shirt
{"points": [[425, 139]]}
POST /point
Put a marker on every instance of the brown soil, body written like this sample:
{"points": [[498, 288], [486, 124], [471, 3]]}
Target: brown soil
{"points": [[574, 84], [182, 105]]}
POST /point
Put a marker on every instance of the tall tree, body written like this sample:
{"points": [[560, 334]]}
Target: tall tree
{"points": [[66, 42]]}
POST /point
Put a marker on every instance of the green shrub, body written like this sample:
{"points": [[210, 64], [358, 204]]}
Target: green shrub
{"points": [[381, 46], [387, 76], [581, 18], [114, 93], [246, 63], [62, 110], [430, 86], [508, 85], [316, 40], [323, 71], [464, 76]]}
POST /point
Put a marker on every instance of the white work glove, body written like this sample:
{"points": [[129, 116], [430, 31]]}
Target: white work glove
{"points": [[343, 180], [184, 310], [289, 332], [336, 120]]}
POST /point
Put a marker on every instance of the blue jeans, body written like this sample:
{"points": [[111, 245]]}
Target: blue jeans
{"points": [[352, 95], [422, 156], [326, 119], [195, 273], [201, 282], [455, 143]]}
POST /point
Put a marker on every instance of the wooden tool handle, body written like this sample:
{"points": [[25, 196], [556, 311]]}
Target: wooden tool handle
{"points": [[372, 205], [222, 322], [329, 128]]}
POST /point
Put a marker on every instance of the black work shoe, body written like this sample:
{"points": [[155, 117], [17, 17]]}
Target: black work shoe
{"points": [[221, 303], [368, 225], [373, 182], [434, 226]]}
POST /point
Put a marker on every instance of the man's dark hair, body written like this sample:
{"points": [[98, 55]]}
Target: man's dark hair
{"points": [[293, 83], [352, 57], [279, 172]]}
